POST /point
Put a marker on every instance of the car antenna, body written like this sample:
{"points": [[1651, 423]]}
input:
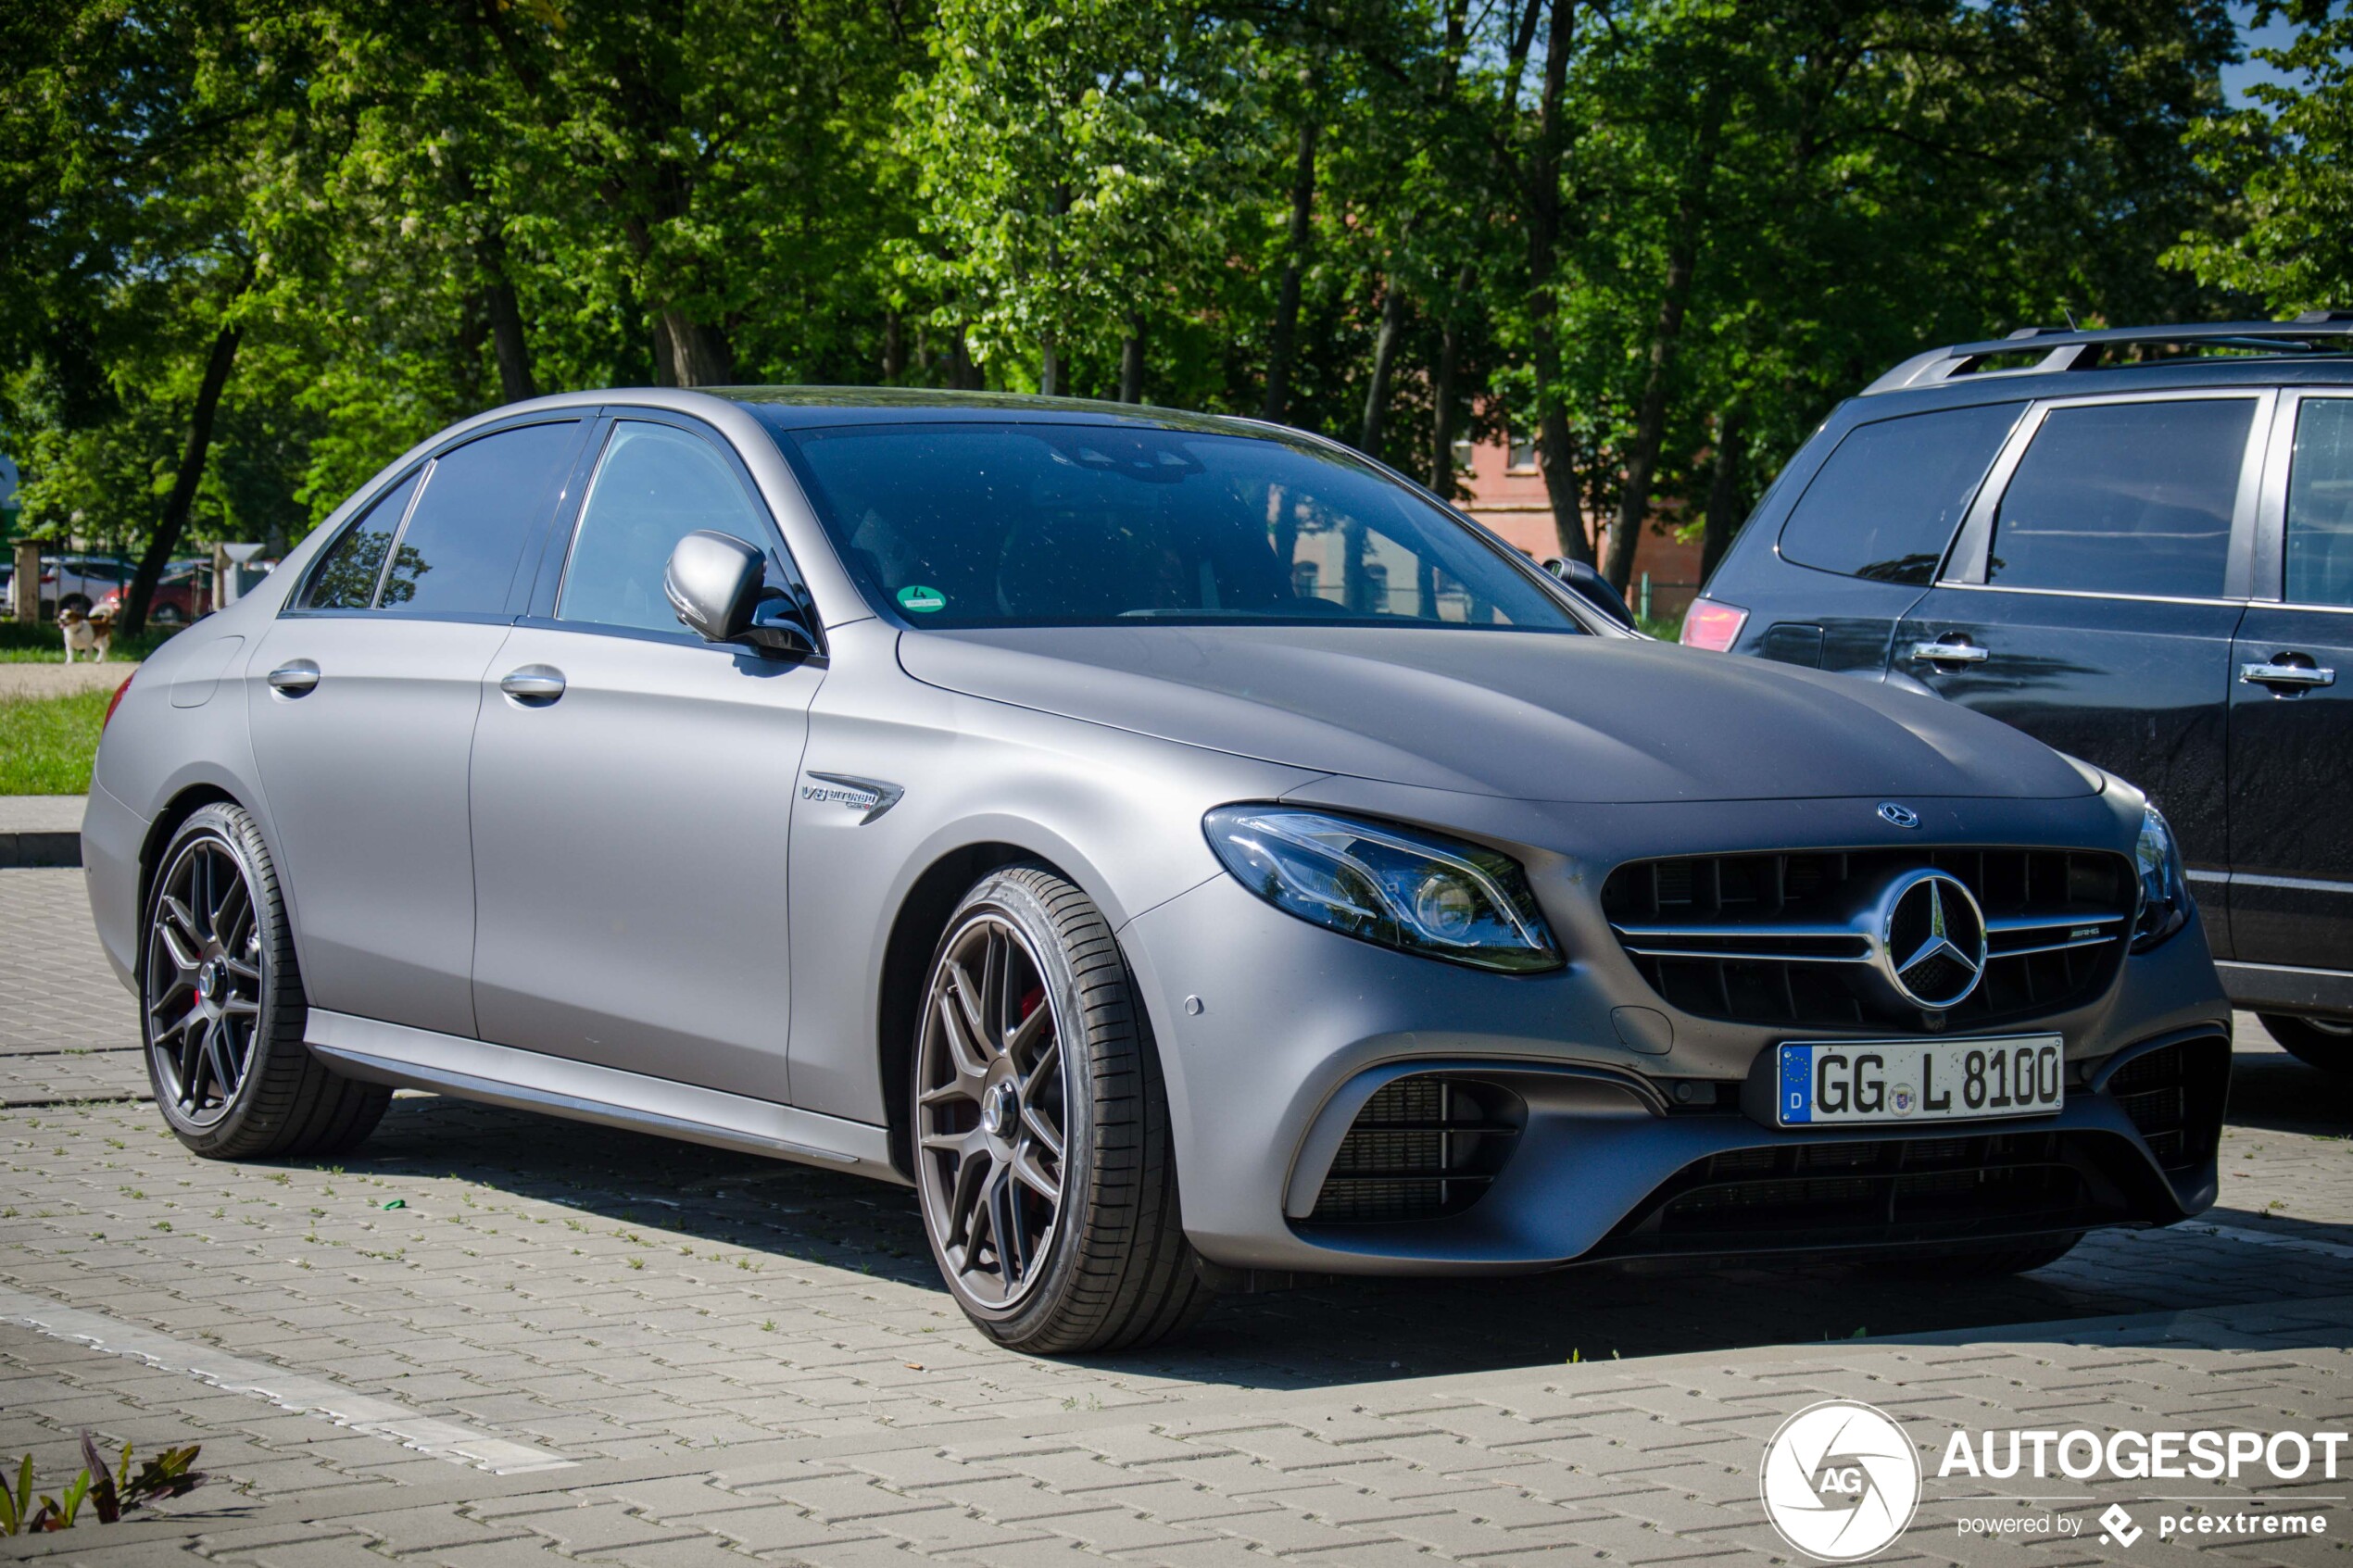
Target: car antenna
{"points": [[2070, 318]]}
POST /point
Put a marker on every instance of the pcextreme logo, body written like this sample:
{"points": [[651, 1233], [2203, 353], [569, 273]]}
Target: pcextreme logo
{"points": [[1840, 1481]]}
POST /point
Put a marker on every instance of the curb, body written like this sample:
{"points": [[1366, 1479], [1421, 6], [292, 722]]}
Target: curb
{"points": [[18, 851]]}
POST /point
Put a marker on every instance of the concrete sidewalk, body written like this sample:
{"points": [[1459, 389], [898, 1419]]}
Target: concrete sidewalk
{"points": [[28, 683], [41, 830]]}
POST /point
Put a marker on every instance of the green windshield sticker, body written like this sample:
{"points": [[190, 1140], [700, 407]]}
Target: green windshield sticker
{"points": [[921, 600]]}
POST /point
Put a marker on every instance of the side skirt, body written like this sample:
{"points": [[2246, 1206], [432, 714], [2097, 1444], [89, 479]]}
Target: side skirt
{"points": [[406, 1058]]}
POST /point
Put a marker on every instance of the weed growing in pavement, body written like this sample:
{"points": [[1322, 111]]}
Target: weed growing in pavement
{"points": [[108, 1493]]}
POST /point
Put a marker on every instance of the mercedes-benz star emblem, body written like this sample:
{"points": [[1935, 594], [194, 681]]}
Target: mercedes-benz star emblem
{"points": [[1932, 939], [1900, 816]]}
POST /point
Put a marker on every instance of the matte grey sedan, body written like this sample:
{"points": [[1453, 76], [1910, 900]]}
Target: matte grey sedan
{"points": [[1188, 854]]}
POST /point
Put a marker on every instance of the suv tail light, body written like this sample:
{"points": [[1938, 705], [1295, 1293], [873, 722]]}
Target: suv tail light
{"points": [[116, 701], [1712, 625]]}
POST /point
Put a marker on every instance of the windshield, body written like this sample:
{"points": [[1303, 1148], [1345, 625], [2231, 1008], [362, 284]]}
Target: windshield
{"points": [[1022, 524]]}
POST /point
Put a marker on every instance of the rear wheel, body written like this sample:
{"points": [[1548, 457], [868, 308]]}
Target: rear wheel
{"points": [[223, 1009], [167, 615], [1981, 1262], [2325, 1043], [1042, 1148]]}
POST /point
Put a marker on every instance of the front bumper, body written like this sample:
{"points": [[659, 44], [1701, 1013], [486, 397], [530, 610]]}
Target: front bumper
{"points": [[1276, 1035]]}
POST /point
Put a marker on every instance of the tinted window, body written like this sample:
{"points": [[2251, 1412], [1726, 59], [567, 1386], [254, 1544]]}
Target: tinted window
{"points": [[2319, 505], [458, 555], [1017, 524], [654, 486], [2124, 498], [347, 572], [1887, 502]]}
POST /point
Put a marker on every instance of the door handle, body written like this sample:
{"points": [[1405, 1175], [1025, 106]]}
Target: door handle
{"points": [[534, 684], [1962, 652], [2286, 677], [294, 677]]}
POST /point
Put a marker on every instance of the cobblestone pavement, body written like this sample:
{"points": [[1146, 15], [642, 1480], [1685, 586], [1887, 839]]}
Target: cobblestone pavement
{"points": [[489, 1339]]}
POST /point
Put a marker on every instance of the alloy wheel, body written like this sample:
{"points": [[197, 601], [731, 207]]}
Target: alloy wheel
{"points": [[205, 979], [991, 1111]]}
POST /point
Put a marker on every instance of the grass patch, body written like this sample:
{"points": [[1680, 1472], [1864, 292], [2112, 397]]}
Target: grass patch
{"points": [[45, 643], [46, 745]]}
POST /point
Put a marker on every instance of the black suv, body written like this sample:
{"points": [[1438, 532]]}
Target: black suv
{"points": [[2137, 545]]}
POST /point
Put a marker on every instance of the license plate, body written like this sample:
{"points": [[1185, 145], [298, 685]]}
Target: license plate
{"points": [[1849, 1082]]}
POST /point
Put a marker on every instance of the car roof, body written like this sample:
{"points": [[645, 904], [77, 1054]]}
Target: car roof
{"points": [[809, 407]]}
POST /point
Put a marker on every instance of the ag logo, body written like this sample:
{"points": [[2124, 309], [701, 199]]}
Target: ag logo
{"points": [[1840, 1481]]}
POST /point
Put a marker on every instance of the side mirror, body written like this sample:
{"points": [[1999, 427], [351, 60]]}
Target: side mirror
{"points": [[1594, 588], [714, 583]]}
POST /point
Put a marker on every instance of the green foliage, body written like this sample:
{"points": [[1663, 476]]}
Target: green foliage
{"points": [[109, 1491], [2289, 158], [1665, 235]]}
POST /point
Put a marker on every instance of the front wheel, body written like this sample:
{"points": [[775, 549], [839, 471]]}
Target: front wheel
{"points": [[1042, 1148], [222, 1010], [2324, 1043]]}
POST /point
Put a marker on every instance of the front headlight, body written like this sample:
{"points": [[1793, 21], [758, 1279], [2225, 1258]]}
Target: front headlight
{"points": [[2164, 900], [1403, 889]]}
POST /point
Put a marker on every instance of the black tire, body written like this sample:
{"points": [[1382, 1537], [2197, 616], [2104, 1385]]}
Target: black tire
{"points": [[1110, 1269], [223, 1035], [74, 601], [1980, 1262], [167, 615], [2324, 1043]]}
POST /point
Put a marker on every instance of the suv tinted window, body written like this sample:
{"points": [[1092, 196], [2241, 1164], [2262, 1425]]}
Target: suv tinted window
{"points": [[346, 575], [2319, 504], [1886, 503], [654, 486], [2124, 498], [458, 555]]}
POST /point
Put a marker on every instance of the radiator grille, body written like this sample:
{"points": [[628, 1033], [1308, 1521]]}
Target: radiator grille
{"points": [[2168, 1093], [1774, 939]]}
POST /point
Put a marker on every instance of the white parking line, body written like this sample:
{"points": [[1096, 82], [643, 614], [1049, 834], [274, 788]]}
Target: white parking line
{"points": [[305, 1396]]}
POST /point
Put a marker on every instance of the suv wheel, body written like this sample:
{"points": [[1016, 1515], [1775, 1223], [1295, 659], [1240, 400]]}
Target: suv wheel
{"points": [[1041, 1142], [2325, 1043], [221, 1006]]}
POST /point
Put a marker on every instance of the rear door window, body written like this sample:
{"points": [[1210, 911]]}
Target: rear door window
{"points": [[2125, 499], [480, 501], [346, 575], [2319, 505], [1886, 504]]}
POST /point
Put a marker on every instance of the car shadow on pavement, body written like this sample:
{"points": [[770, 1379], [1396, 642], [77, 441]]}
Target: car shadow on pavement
{"points": [[1345, 1332], [2273, 1089]]}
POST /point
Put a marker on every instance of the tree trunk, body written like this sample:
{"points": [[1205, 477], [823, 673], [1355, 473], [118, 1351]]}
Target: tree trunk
{"points": [[1650, 417], [690, 353], [1302, 214], [182, 499], [1723, 495], [894, 353], [1392, 327], [1441, 416], [1050, 369], [515, 380], [1131, 361], [1555, 447], [962, 374]]}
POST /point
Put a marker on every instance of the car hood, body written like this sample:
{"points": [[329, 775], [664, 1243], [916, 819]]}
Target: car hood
{"points": [[1526, 716]]}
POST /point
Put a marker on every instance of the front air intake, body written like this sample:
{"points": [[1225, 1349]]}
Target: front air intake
{"points": [[1423, 1148]]}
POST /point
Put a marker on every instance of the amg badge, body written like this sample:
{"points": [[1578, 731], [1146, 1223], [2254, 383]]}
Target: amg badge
{"points": [[872, 797]]}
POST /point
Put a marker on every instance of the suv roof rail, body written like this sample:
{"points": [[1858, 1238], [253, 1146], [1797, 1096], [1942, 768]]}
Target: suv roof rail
{"points": [[2315, 331]]}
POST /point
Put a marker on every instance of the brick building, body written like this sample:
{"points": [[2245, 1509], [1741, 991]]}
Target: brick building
{"points": [[1507, 495]]}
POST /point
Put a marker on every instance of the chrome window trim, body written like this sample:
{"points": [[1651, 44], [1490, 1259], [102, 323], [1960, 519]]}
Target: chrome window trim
{"points": [[2090, 594]]}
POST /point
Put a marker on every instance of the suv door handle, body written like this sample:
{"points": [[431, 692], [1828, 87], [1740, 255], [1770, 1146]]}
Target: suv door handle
{"points": [[1961, 652], [2286, 677], [534, 684], [294, 677]]}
